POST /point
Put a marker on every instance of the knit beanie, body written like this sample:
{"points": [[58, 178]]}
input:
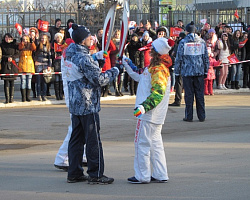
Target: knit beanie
{"points": [[79, 33], [162, 45], [211, 30], [191, 27]]}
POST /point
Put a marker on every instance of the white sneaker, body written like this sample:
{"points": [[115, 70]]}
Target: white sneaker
{"points": [[224, 87], [221, 87]]}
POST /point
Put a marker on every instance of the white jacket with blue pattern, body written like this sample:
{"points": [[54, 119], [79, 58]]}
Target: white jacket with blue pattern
{"points": [[84, 80], [192, 57]]}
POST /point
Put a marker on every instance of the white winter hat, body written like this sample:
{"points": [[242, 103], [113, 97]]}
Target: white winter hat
{"points": [[58, 35], [162, 45]]}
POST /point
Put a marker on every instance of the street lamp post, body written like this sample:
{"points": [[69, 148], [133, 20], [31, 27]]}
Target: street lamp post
{"points": [[150, 11], [79, 12]]}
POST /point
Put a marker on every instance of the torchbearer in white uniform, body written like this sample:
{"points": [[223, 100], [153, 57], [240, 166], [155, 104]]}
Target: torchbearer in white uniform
{"points": [[151, 108]]}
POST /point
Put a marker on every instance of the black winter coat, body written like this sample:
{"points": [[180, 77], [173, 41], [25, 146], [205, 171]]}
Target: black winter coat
{"points": [[9, 50], [247, 46], [135, 55]]}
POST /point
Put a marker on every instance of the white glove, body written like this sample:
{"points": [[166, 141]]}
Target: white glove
{"points": [[99, 55]]}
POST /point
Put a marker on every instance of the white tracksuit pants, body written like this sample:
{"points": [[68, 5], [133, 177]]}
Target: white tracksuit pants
{"points": [[62, 155], [149, 149]]}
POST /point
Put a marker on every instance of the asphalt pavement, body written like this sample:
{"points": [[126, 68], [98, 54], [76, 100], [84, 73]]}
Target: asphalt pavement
{"points": [[206, 160]]}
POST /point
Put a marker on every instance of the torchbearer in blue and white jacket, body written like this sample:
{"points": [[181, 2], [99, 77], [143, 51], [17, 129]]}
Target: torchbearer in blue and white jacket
{"points": [[85, 79], [192, 63]]}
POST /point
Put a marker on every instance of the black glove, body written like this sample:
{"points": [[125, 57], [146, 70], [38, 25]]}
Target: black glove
{"points": [[120, 67], [101, 62]]}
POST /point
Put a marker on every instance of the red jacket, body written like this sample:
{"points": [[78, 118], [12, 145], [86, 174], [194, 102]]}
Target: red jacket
{"points": [[147, 58], [107, 64], [210, 73]]}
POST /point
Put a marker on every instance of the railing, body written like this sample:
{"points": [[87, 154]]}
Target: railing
{"points": [[93, 18]]}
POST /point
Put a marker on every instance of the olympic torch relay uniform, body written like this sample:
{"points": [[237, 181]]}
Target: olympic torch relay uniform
{"points": [[84, 80], [152, 93], [152, 97], [192, 63], [61, 160]]}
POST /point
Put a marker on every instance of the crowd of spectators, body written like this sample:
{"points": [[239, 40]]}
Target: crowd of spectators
{"points": [[39, 51]]}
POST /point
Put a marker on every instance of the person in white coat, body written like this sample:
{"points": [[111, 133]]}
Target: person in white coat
{"points": [[151, 108]]}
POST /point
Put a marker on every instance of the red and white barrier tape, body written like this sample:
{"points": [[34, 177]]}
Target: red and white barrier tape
{"points": [[240, 62], [244, 61], [18, 74]]}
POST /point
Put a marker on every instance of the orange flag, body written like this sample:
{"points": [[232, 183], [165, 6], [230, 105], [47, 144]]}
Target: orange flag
{"points": [[236, 14]]}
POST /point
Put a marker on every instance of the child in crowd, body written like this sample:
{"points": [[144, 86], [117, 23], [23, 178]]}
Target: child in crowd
{"points": [[208, 82], [151, 107], [58, 46]]}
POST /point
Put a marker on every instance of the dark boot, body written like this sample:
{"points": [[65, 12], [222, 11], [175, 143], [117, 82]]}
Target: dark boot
{"points": [[121, 83], [7, 94], [106, 91], [227, 83], [56, 85], [232, 84], [28, 95], [117, 93], [237, 85], [120, 87], [12, 90], [61, 90], [109, 92], [132, 87], [48, 92], [102, 91], [33, 87], [23, 93]]}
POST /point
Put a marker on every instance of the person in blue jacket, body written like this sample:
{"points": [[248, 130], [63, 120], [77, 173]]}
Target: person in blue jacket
{"points": [[85, 79], [192, 63]]}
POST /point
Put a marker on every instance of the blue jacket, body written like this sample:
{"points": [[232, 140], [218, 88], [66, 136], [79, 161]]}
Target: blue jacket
{"points": [[84, 79], [192, 57]]}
